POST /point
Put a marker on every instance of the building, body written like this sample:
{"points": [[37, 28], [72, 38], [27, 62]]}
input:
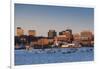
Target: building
{"points": [[19, 31], [86, 37], [68, 34], [32, 33], [69, 30], [51, 40], [52, 33], [62, 38], [63, 33], [43, 41], [76, 37]]}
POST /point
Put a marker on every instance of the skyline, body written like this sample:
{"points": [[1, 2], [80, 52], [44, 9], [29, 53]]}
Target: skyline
{"points": [[43, 18]]}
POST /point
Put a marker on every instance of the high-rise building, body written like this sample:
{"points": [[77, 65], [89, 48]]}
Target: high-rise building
{"points": [[19, 31], [68, 34], [52, 33], [32, 32], [86, 37]]}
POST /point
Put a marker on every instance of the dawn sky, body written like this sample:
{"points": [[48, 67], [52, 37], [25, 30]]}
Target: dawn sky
{"points": [[42, 18]]}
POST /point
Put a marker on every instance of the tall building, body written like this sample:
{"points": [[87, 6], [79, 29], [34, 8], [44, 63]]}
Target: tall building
{"points": [[32, 32], [19, 31], [86, 38], [69, 30], [86, 35], [68, 34], [52, 33]]}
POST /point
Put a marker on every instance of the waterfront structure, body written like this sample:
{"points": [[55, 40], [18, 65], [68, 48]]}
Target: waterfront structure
{"points": [[20, 38], [31, 32], [69, 30], [42, 43], [20, 31], [86, 37], [76, 37], [62, 38], [62, 33], [51, 40], [68, 34], [52, 33]]}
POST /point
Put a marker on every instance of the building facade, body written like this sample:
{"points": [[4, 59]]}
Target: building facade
{"points": [[19, 31], [31, 32], [86, 37], [52, 33]]}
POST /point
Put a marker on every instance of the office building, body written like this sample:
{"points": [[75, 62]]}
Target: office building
{"points": [[32, 32], [52, 33], [20, 31]]}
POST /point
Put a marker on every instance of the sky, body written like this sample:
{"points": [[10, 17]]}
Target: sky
{"points": [[43, 18]]}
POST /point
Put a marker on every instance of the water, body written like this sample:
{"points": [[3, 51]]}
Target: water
{"points": [[38, 56]]}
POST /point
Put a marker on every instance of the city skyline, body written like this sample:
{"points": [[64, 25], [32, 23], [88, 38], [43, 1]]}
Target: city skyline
{"points": [[43, 18], [33, 32]]}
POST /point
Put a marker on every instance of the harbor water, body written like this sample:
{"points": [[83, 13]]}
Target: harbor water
{"points": [[54, 55]]}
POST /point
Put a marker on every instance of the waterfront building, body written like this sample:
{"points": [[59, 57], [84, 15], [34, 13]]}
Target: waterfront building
{"points": [[51, 40], [20, 31], [62, 38], [68, 34], [32, 33], [52, 33], [43, 41], [76, 37], [62, 33], [86, 37], [69, 30]]}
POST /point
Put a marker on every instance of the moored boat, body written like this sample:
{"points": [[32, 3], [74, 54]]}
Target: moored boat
{"points": [[71, 45]]}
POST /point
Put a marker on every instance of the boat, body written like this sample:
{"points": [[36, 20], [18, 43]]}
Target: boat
{"points": [[71, 45]]}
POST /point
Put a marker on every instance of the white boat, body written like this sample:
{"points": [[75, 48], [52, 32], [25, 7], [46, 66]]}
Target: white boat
{"points": [[70, 45]]}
